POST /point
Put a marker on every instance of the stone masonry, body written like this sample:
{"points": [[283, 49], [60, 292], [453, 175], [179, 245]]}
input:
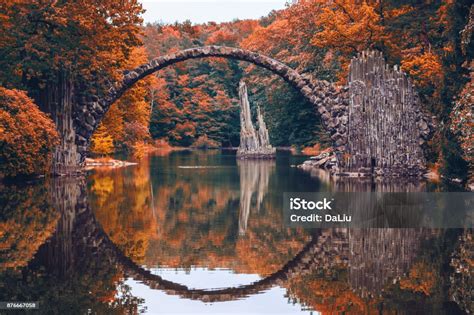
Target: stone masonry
{"points": [[375, 122], [327, 98]]}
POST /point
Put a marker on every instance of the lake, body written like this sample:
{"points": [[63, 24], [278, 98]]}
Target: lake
{"points": [[199, 232]]}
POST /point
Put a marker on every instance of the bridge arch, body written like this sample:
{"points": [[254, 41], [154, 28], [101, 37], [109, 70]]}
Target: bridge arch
{"points": [[376, 124], [327, 98]]}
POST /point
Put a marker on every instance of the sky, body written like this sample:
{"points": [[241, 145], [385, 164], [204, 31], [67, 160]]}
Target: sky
{"points": [[271, 301], [201, 11]]}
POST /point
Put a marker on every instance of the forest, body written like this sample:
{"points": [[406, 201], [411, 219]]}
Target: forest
{"points": [[55, 52]]}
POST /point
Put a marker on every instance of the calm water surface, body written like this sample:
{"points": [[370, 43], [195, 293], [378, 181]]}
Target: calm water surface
{"points": [[193, 232]]}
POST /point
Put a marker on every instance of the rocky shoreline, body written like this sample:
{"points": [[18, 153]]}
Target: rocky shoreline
{"points": [[326, 160]]}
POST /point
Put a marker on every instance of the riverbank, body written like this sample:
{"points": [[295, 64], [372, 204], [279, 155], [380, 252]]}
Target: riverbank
{"points": [[326, 160]]}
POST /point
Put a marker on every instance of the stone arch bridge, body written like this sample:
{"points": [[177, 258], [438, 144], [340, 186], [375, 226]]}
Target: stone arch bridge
{"points": [[374, 122]]}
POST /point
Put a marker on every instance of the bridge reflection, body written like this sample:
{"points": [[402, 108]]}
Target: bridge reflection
{"points": [[336, 270]]}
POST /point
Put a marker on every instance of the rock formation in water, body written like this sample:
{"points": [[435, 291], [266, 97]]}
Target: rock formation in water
{"points": [[263, 136], [254, 144]]}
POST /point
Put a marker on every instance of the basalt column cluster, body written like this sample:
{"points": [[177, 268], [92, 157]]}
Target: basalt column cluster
{"points": [[386, 126]]}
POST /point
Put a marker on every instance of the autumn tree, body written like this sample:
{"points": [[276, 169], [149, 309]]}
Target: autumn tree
{"points": [[86, 38], [27, 135], [102, 142], [164, 112], [320, 37], [136, 136], [61, 51], [126, 123]]}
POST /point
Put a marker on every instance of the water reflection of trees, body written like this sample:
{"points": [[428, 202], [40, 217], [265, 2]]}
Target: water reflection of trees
{"points": [[26, 221], [189, 222], [385, 269], [54, 258], [197, 226]]}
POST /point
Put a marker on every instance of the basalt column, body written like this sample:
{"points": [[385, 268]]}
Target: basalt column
{"points": [[254, 144], [263, 137], [57, 99], [386, 125]]}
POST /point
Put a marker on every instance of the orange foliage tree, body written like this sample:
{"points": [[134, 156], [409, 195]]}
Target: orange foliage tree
{"points": [[125, 125], [102, 142], [85, 38], [426, 68], [27, 135], [320, 37], [62, 51]]}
